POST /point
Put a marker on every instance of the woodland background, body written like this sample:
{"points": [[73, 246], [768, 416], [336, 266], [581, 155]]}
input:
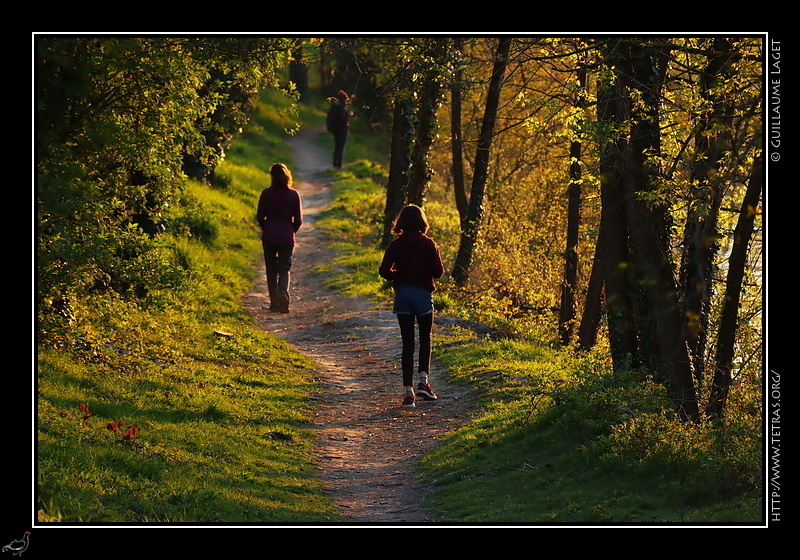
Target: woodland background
{"points": [[595, 192], [616, 176]]}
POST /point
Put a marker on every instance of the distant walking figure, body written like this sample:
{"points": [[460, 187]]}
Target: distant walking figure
{"points": [[280, 215], [412, 261], [338, 124]]}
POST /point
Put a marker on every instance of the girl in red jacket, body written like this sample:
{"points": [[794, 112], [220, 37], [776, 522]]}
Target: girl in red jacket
{"points": [[412, 262]]}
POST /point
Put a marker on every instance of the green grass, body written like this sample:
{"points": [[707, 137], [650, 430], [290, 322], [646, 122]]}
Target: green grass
{"points": [[222, 419], [562, 440], [220, 436], [353, 224]]}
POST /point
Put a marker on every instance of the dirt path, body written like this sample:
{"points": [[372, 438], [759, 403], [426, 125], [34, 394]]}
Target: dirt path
{"points": [[367, 443]]}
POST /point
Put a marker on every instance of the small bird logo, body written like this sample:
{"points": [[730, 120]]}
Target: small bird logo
{"points": [[18, 546]]}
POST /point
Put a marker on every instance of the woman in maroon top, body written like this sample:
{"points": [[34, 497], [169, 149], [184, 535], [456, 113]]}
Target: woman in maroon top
{"points": [[280, 215], [412, 262]]}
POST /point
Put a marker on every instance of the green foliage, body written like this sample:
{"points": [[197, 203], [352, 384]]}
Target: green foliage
{"points": [[118, 118], [189, 218]]}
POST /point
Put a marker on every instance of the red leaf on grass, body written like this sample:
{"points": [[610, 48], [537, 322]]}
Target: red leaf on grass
{"points": [[86, 413], [130, 432]]}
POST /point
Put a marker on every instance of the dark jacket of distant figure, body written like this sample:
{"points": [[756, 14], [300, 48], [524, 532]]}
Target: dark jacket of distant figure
{"points": [[338, 119], [412, 258], [280, 215]]}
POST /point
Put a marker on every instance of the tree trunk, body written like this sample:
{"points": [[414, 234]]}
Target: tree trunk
{"points": [[614, 246], [593, 305], [398, 166], [419, 175], [298, 69], [457, 142], [733, 289], [641, 69], [566, 313], [660, 317], [567, 307], [474, 218], [663, 322]]}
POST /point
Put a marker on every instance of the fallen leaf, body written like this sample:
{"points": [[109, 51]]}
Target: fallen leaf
{"points": [[130, 432], [86, 413]]}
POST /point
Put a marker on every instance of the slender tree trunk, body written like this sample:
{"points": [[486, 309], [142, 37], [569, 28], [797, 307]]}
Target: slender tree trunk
{"points": [[457, 142], [324, 68], [566, 313], [733, 289], [419, 175], [593, 305], [474, 219], [398, 166], [568, 286]]}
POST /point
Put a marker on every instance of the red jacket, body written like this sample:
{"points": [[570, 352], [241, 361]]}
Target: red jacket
{"points": [[280, 215], [412, 258]]}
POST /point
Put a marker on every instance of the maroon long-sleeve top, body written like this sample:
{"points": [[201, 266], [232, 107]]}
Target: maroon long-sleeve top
{"points": [[413, 258], [280, 215]]}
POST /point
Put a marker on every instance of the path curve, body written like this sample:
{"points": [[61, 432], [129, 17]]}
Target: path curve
{"points": [[367, 444]]}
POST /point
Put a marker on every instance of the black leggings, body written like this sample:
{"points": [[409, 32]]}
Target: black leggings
{"points": [[425, 323]]}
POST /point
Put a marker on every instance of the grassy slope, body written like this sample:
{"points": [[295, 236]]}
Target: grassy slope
{"points": [[221, 420]]}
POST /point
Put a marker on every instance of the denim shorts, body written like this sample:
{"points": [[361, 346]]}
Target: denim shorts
{"points": [[410, 299]]}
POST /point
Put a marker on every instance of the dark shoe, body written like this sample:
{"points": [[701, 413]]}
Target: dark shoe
{"points": [[409, 401], [426, 391]]}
